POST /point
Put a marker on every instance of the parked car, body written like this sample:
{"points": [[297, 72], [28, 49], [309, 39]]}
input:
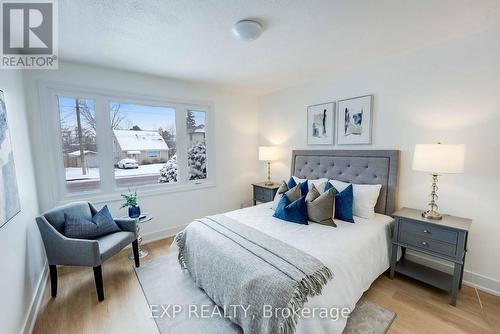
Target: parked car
{"points": [[128, 163]]}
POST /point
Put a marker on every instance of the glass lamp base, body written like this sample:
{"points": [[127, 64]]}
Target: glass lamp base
{"points": [[431, 214]]}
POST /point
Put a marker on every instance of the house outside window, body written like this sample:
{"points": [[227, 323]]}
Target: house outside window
{"points": [[138, 134]]}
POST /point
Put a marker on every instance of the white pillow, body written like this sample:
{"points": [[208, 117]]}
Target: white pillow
{"points": [[316, 182], [365, 197]]}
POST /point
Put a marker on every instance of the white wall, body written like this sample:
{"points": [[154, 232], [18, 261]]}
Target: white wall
{"points": [[448, 93], [22, 256], [235, 130]]}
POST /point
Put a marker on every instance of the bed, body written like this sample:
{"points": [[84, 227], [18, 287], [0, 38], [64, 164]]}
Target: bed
{"points": [[356, 253]]}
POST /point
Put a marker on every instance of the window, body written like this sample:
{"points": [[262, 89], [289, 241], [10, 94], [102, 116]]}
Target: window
{"points": [[143, 142], [153, 154], [79, 146], [101, 143], [197, 147]]}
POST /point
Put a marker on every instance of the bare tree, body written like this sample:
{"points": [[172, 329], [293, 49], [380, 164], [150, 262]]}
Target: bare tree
{"points": [[89, 115], [169, 138], [116, 116]]}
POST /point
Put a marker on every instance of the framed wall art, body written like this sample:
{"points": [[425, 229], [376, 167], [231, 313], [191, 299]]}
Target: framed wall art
{"points": [[354, 121], [320, 124], [9, 195]]}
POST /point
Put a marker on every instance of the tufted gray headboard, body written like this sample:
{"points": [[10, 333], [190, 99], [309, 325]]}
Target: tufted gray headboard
{"points": [[354, 166]]}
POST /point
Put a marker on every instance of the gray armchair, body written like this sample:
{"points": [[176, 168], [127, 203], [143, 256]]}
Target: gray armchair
{"points": [[81, 252]]}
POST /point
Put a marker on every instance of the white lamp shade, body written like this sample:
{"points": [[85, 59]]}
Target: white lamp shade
{"points": [[439, 158], [268, 153]]}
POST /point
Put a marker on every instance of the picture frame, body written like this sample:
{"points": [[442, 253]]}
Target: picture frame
{"points": [[321, 124], [9, 195], [354, 120]]}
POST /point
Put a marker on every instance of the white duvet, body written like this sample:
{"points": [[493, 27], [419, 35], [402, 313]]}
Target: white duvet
{"points": [[356, 254]]}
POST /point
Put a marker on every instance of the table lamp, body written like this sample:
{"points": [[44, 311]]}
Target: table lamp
{"points": [[268, 153], [437, 159]]}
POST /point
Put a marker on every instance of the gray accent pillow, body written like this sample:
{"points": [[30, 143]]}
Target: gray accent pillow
{"points": [[321, 189], [292, 194], [320, 206], [283, 188]]}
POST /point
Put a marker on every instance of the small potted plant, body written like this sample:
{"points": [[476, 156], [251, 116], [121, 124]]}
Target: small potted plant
{"points": [[134, 211]]}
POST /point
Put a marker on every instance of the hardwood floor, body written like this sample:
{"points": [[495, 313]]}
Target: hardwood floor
{"points": [[419, 308]]}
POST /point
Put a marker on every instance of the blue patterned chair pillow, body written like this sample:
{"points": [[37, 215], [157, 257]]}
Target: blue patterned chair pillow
{"points": [[102, 223]]}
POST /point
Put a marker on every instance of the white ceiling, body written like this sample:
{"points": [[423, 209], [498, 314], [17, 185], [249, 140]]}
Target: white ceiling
{"points": [[302, 40]]}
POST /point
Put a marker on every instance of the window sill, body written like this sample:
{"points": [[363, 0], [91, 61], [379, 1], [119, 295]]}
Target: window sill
{"points": [[144, 191]]}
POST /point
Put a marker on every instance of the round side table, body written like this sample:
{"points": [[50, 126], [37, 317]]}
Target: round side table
{"points": [[139, 221]]}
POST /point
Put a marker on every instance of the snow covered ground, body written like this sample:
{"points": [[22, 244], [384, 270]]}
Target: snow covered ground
{"points": [[73, 173]]}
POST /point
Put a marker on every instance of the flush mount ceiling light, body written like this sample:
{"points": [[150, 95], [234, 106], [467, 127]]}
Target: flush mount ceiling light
{"points": [[247, 30]]}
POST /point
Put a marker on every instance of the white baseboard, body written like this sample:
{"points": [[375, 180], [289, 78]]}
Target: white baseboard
{"points": [[162, 234], [30, 320], [481, 282]]}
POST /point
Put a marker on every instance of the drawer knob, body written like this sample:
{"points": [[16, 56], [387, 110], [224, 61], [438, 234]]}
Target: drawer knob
{"points": [[424, 243], [426, 231]]}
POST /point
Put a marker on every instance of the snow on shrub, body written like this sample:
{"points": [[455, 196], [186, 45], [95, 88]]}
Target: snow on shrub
{"points": [[197, 161], [197, 164], [168, 173]]}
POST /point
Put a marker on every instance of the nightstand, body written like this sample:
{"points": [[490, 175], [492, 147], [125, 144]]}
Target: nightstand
{"points": [[445, 239], [263, 193]]}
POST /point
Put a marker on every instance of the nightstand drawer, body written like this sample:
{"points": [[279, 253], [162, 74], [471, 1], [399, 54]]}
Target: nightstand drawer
{"points": [[428, 231], [262, 194], [428, 244]]}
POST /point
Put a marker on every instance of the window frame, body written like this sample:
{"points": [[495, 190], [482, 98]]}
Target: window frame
{"points": [[109, 190]]}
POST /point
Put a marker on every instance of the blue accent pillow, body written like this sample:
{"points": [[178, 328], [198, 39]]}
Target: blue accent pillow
{"points": [[102, 223], [295, 212], [343, 203], [304, 187], [329, 186]]}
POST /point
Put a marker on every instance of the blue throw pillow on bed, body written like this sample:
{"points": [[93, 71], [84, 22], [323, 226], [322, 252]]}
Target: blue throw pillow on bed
{"points": [[304, 187], [343, 203], [295, 212]]}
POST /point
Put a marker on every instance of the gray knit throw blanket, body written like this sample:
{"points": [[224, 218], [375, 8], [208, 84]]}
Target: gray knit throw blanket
{"points": [[252, 276]]}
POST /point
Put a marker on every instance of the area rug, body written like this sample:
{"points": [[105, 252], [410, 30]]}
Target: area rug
{"points": [[178, 306]]}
